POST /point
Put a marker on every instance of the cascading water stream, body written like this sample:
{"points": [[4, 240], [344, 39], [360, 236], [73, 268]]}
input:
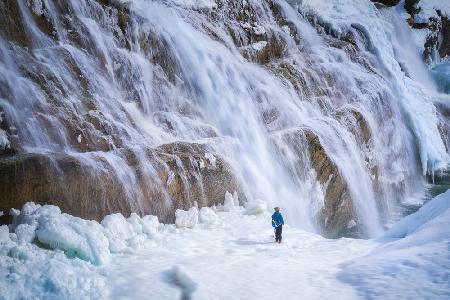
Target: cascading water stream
{"points": [[86, 79]]}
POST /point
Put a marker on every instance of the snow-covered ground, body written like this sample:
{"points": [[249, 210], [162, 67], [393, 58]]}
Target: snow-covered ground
{"points": [[237, 259], [228, 254]]}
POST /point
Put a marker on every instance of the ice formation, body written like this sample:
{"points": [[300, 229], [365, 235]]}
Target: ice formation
{"points": [[186, 219], [84, 260]]}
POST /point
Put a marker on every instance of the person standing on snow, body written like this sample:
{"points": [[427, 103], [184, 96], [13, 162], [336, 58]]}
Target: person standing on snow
{"points": [[277, 223]]}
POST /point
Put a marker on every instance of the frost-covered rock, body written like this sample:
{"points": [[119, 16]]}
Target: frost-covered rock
{"points": [[258, 46], [259, 30], [255, 207], [186, 219], [211, 158]]}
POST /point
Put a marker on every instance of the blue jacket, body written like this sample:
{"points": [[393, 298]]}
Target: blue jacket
{"points": [[277, 219]]}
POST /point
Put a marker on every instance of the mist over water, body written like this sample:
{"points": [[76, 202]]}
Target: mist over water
{"points": [[182, 65]]}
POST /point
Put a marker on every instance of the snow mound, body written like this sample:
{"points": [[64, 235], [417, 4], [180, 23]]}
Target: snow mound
{"points": [[75, 236], [186, 219], [31, 270], [150, 225], [50, 228], [231, 202], [416, 245], [122, 233], [255, 207], [439, 205], [88, 240]]}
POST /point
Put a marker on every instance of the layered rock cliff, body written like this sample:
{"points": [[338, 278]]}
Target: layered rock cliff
{"points": [[147, 107]]}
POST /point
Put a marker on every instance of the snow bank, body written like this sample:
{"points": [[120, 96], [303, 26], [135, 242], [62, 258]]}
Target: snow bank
{"points": [[46, 225], [426, 213], [30, 272], [76, 237], [46, 254], [416, 245], [124, 234], [88, 240]]}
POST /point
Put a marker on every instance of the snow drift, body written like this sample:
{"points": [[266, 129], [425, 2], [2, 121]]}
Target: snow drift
{"points": [[413, 255]]}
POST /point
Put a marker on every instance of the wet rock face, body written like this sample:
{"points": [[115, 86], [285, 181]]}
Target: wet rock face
{"points": [[443, 112], [105, 176], [11, 25], [61, 180], [178, 175], [162, 179], [336, 215], [194, 173], [338, 208], [387, 2], [439, 38]]}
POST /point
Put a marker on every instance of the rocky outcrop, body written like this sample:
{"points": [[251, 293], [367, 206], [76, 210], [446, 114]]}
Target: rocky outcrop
{"points": [[337, 216], [439, 37], [170, 177], [338, 208], [443, 112], [195, 173], [439, 30], [386, 2]]}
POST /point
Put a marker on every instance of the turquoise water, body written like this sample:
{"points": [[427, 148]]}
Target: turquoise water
{"points": [[441, 73]]}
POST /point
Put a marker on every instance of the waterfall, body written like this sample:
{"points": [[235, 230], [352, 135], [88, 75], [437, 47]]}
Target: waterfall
{"points": [[108, 82]]}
